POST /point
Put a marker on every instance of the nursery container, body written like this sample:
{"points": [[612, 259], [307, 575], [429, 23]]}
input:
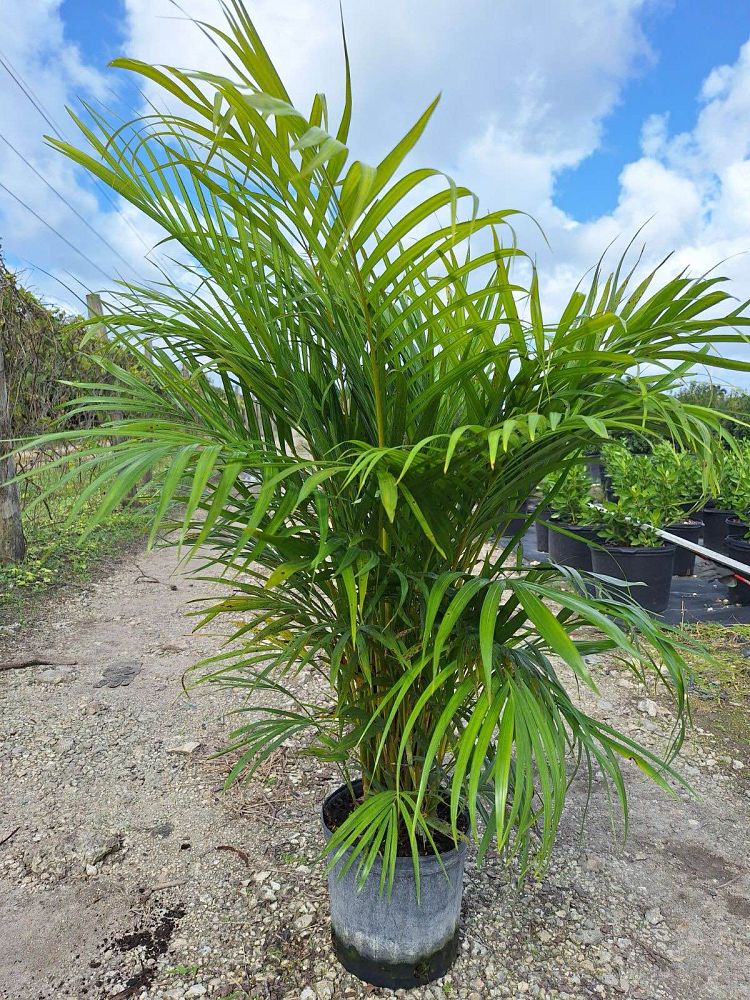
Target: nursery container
{"points": [[574, 552], [514, 522], [595, 469], [542, 529], [651, 567], [684, 560], [739, 549], [715, 527], [735, 529], [395, 941]]}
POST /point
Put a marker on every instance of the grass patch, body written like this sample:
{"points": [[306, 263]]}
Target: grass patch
{"points": [[58, 551], [725, 674]]}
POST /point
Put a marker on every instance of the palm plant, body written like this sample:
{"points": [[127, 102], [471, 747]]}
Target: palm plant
{"points": [[348, 390]]}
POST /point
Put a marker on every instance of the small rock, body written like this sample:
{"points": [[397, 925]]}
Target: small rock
{"points": [[307, 994], [648, 707], [654, 916], [185, 748], [737, 765], [303, 922], [589, 935], [198, 990]]}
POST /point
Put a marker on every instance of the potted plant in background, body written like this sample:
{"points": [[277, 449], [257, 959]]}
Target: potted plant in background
{"points": [[738, 495], [341, 391], [631, 551], [542, 513], [571, 527], [719, 506], [677, 493]]}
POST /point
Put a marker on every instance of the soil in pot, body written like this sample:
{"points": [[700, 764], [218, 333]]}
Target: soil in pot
{"points": [[715, 527], [395, 941], [649, 567], [574, 552], [684, 560], [739, 549]]}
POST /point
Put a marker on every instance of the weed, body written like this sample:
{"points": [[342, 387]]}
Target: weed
{"points": [[182, 970]]}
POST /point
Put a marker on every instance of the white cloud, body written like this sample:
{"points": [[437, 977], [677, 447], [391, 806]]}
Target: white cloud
{"points": [[526, 91]]}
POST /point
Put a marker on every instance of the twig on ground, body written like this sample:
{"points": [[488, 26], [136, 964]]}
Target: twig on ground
{"points": [[148, 893], [656, 956], [8, 836], [144, 577], [235, 850], [36, 661]]}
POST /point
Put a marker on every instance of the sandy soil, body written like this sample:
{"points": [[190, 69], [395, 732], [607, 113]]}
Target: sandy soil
{"points": [[125, 871]]}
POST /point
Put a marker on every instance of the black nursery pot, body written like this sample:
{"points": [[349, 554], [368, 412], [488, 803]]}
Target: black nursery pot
{"points": [[684, 560], [735, 529], [651, 567], [515, 523], [715, 527], [739, 549], [573, 552], [397, 940], [542, 529]]}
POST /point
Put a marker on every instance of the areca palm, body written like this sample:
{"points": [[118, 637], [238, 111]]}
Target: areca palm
{"points": [[350, 394]]}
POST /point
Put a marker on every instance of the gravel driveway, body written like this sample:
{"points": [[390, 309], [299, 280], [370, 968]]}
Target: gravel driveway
{"points": [[126, 872]]}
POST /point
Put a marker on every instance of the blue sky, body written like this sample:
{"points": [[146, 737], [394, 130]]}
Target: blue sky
{"points": [[688, 39], [595, 117]]}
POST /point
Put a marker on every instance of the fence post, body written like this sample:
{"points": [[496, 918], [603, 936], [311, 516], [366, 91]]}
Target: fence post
{"points": [[12, 541]]}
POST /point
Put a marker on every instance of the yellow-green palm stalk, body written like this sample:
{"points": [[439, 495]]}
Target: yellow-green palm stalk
{"points": [[349, 394]]}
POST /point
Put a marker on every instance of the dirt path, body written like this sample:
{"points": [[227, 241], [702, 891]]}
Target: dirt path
{"points": [[124, 871]]}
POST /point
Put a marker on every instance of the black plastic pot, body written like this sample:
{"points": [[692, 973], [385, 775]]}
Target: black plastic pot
{"points": [[639, 565], [739, 549], [735, 529], [514, 523], [396, 941], [595, 469], [715, 527], [574, 552], [542, 529], [684, 560]]}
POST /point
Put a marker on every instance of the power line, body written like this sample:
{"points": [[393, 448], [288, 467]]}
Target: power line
{"points": [[9, 69], [52, 228], [26, 90], [65, 201]]}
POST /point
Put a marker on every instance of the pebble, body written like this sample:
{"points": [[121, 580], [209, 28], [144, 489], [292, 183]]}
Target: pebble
{"points": [[255, 923]]}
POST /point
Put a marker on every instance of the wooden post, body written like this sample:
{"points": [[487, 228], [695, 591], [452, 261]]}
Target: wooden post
{"points": [[12, 541]]}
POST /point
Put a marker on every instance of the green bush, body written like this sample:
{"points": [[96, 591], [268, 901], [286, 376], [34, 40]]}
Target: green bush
{"points": [[349, 407]]}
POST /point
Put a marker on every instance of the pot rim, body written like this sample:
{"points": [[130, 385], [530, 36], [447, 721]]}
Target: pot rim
{"points": [[574, 527], [737, 540], [737, 520], [688, 522], [644, 550], [427, 862]]}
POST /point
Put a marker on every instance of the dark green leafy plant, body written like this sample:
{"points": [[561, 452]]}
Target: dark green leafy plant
{"points": [[570, 497], [627, 525], [737, 482], [348, 400]]}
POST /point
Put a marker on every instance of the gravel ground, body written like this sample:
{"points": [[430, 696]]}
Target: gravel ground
{"points": [[126, 872]]}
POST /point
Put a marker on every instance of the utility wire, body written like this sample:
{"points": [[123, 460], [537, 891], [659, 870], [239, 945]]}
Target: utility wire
{"points": [[65, 201], [9, 69], [52, 228]]}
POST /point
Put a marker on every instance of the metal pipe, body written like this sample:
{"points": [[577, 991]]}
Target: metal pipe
{"points": [[700, 550]]}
